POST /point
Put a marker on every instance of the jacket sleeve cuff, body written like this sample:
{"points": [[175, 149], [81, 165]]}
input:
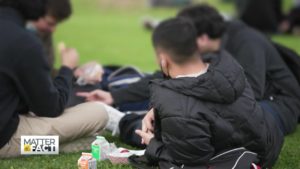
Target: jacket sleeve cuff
{"points": [[154, 150], [66, 73]]}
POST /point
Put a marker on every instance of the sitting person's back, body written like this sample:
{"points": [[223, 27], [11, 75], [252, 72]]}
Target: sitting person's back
{"points": [[277, 88], [274, 85], [27, 88], [206, 108], [216, 110]]}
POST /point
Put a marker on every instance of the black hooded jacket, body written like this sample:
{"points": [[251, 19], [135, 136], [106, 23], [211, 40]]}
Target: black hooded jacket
{"points": [[197, 118]]}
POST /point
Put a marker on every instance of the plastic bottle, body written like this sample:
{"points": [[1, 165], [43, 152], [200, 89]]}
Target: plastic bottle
{"points": [[99, 148]]}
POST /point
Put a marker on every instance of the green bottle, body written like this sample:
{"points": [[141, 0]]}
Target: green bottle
{"points": [[96, 147]]}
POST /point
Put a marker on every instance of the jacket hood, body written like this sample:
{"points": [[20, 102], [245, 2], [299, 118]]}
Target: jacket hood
{"points": [[224, 81]]}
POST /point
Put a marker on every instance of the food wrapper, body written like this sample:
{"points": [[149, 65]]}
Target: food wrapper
{"points": [[89, 73], [121, 155]]}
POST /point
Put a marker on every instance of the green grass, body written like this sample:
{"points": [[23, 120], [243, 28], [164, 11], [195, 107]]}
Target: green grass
{"points": [[115, 36]]}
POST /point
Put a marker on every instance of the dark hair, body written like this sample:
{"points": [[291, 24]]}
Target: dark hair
{"points": [[177, 36], [206, 19], [59, 9], [29, 9]]}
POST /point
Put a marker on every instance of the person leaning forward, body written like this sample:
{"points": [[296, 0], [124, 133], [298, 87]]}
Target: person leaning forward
{"points": [[26, 85]]}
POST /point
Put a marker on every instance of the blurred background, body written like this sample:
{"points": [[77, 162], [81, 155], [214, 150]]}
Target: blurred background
{"points": [[112, 32]]}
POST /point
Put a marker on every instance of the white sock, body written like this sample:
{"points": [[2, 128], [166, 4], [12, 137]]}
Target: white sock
{"points": [[114, 118]]}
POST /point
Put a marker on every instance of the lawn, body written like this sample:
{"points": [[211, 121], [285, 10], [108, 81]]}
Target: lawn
{"points": [[114, 35]]}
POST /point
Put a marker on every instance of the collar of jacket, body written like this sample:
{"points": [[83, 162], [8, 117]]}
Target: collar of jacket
{"points": [[224, 81], [10, 14]]}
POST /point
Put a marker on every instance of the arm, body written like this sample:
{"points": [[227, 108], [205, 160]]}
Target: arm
{"points": [[156, 151], [40, 94], [138, 91], [135, 92], [185, 145]]}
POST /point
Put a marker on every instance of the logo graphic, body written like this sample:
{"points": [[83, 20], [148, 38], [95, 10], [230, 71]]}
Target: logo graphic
{"points": [[27, 148], [39, 145]]}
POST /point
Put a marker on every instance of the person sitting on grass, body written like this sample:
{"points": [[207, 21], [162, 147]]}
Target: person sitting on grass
{"points": [[204, 106], [31, 103], [275, 87]]}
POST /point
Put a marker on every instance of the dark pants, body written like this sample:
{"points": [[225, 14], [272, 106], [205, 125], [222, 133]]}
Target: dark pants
{"points": [[128, 124], [268, 108]]}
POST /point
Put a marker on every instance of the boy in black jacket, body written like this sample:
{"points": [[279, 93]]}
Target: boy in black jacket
{"points": [[26, 87], [204, 106]]}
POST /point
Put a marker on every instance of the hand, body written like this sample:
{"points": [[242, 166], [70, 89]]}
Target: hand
{"points": [[147, 123], [69, 57], [97, 95], [146, 136]]}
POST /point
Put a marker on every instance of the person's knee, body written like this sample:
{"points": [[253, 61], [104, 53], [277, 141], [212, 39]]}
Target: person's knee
{"points": [[96, 111], [82, 120]]}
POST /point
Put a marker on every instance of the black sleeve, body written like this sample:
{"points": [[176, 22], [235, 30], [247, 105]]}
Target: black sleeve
{"points": [[156, 151], [252, 58], [138, 91], [187, 141], [42, 96]]}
